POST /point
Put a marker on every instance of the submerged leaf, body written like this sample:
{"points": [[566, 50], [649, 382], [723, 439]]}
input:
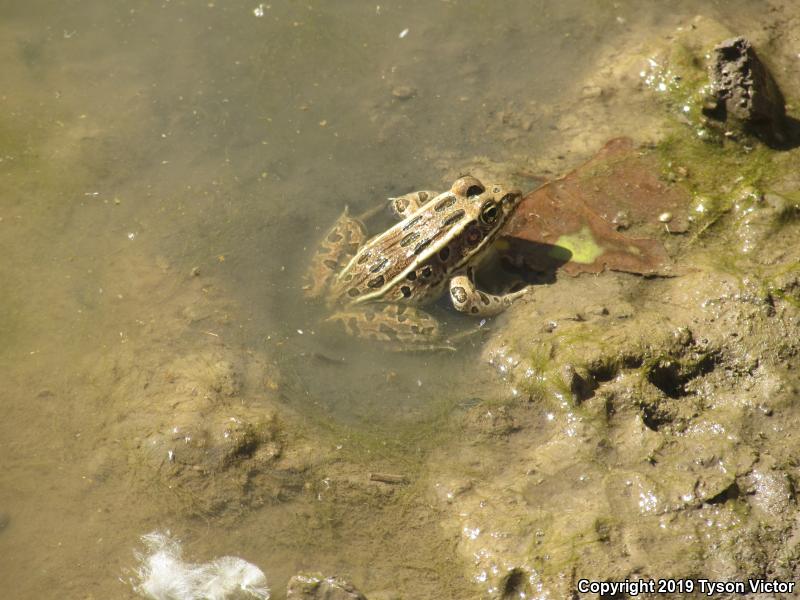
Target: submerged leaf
{"points": [[572, 223]]}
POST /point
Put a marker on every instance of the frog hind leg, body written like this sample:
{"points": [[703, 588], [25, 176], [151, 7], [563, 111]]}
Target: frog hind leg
{"points": [[470, 300], [407, 204], [339, 245], [398, 326]]}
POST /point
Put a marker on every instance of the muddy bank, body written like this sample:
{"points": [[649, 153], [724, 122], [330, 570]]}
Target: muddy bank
{"points": [[649, 425]]}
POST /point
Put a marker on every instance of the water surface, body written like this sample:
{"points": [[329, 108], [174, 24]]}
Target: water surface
{"points": [[143, 140]]}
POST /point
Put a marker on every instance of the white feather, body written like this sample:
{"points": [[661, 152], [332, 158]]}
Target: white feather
{"points": [[164, 576]]}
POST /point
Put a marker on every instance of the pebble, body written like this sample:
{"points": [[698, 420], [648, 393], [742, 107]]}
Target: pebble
{"points": [[549, 326], [621, 220], [592, 91], [404, 92]]}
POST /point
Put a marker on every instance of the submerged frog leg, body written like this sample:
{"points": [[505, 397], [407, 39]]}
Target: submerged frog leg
{"points": [[339, 245], [407, 204], [399, 326], [468, 299]]}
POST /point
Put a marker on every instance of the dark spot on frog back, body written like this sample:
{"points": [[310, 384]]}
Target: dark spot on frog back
{"points": [[379, 265], [412, 222], [376, 282], [444, 203], [422, 245], [409, 239], [454, 218]]}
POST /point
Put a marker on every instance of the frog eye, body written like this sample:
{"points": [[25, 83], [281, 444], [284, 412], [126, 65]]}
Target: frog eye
{"points": [[489, 212]]}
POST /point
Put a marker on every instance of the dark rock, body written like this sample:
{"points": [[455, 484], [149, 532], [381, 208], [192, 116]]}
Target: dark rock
{"points": [[315, 586], [745, 95]]}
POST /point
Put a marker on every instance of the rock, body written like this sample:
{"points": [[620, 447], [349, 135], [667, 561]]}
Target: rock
{"points": [[490, 421], [403, 92], [315, 586], [745, 96]]}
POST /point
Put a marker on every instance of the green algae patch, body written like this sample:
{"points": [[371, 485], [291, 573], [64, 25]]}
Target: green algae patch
{"points": [[581, 246], [715, 168]]}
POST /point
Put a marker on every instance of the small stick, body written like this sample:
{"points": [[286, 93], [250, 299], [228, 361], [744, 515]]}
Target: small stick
{"points": [[387, 478]]}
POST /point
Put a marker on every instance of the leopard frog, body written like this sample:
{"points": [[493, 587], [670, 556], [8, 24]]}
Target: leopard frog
{"points": [[374, 287]]}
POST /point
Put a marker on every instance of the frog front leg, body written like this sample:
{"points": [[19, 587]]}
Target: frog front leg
{"points": [[340, 244], [399, 326], [468, 299], [407, 204]]}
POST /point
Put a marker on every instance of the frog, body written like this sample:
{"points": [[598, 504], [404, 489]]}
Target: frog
{"points": [[376, 287]]}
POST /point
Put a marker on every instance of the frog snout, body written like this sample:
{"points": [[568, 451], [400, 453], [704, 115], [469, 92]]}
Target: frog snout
{"points": [[509, 199]]}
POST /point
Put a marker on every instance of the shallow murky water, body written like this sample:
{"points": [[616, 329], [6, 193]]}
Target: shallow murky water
{"points": [[143, 140]]}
